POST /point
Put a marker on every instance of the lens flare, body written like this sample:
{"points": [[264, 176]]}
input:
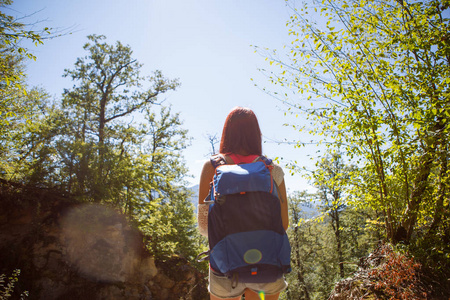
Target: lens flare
{"points": [[252, 256], [262, 295], [98, 243]]}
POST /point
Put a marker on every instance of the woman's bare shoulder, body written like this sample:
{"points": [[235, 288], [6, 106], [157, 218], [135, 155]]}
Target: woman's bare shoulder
{"points": [[208, 169], [277, 173]]}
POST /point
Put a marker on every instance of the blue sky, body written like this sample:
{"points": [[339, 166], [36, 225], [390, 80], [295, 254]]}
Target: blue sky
{"points": [[204, 43]]}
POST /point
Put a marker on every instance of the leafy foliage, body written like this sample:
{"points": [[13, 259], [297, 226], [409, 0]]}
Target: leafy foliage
{"points": [[372, 78], [110, 91], [7, 285], [108, 141], [398, 277], [11, 32], [315, 257], [330, 179], [12, 55]]}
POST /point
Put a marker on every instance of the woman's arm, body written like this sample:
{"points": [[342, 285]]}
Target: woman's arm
{"points": [[203, 191], [205, 179], [284, 205]]}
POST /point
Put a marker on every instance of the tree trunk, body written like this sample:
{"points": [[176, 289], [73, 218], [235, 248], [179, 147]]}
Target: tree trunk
{"points": [[337, 234], [419, 186], [101, 148], [298, 262]]}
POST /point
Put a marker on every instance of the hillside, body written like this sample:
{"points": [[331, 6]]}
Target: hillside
{"points": [[69, 250]]}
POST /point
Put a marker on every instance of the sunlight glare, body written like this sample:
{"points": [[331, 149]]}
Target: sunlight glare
{"points": [[261, 295]]}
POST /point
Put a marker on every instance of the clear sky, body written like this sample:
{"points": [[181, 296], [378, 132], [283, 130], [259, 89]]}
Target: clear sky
{"points": [[204, 43]]}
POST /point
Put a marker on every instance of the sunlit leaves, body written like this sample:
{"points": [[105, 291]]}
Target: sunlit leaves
{"points": [[375, 79]]}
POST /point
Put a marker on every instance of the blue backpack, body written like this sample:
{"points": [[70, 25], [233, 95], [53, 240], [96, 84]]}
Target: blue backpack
{"points": [[247, 240]]}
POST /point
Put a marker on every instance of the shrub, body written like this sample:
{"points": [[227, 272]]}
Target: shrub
{"points": [[397, 277], [7, 285]]}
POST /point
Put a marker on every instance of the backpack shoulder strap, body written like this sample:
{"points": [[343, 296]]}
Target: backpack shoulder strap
{"points": [[266, 161], [217, 160]]}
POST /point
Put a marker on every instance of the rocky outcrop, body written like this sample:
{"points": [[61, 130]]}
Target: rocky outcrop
{"points": [[68, 250]]}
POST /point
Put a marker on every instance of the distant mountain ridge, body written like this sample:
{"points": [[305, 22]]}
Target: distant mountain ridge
{"points": [[308, 210], [194, 197]]}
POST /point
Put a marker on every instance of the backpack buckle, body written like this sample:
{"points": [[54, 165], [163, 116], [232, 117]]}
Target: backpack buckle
{"points": [[208, 200]]}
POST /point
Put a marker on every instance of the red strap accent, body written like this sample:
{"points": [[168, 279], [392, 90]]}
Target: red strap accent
{"points": [[239, 159]]}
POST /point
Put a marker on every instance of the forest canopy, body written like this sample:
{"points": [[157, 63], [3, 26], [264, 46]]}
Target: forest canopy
{"points": [[372, 78], [108, 139]]}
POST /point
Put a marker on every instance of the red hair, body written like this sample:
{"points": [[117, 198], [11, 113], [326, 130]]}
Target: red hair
{"points": [[241, 133]]}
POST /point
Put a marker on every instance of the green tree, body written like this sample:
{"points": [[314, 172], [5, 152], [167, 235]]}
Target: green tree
{"points": [[109, 157], [315, 259], [298, 288], [164, 210], [312, 252], [25, 131], [12, 54], [373, 78], [109, 91], [330, 179], [12, 31]]}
